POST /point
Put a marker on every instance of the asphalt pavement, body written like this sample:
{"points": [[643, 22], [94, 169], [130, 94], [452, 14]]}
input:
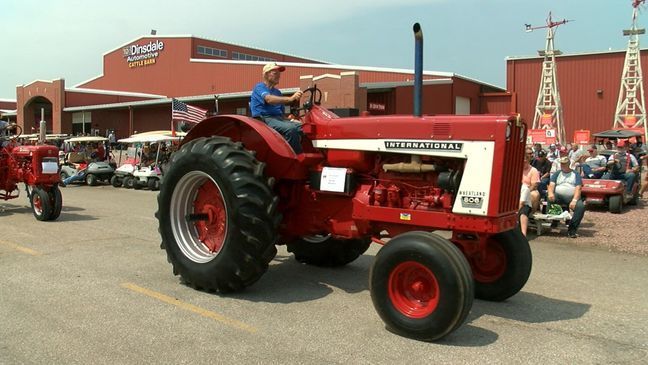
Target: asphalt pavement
{"points": [[94, 287]]}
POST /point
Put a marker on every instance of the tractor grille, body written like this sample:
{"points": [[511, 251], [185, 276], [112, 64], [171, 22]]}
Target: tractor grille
{"points": [[441, 129], [512, 169]]}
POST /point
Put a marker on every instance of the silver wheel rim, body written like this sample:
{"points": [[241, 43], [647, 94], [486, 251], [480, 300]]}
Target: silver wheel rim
{"points": [[318, 238], [184, 231]]}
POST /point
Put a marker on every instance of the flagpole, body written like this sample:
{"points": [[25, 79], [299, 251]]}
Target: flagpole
{"points": [[173, 132]]}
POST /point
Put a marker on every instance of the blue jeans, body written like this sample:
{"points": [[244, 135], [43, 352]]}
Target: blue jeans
{"points": [[76, 177], [289, 130], [629, 178], [579, 211], [589, 174]]}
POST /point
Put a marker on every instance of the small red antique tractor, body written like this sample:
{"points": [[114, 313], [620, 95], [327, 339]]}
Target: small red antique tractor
{"points": [[36, 167], [235, 189]]}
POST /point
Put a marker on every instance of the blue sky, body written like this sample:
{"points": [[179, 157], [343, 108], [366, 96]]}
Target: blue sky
{"points": [[66, 38]]}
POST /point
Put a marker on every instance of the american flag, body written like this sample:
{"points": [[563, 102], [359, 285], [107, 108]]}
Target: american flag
{"points": [[186, 113]]}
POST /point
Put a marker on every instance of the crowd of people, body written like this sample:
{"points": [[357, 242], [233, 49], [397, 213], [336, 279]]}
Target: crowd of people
{"points": [[556, 176]]}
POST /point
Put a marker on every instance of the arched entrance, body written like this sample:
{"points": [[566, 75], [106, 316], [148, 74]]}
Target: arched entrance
{"points": [[37, 108]]}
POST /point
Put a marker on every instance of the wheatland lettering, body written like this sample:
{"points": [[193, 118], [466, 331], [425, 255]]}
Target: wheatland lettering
{"points": [[433, 146]]}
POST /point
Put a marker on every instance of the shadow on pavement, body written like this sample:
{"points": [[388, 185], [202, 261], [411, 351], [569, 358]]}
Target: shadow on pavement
{"points": [[288, 281], [530, 308]]}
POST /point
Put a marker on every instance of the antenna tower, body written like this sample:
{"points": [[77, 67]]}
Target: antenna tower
{"points": [[630, 111], [548, 109]]}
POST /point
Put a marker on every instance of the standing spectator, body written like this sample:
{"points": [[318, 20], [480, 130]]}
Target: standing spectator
{"points": [[112, 140], [595, 165], [644, 186], [565, 189]]}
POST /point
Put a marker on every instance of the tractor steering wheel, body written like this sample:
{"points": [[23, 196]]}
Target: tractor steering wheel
{"points": [[314, 98]]}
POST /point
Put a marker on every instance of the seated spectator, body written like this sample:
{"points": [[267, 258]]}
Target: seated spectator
{"points": [[622, 166], [553, 153], [565, 189], [525, 208], [537, 147], [595, 165], [531, 178], [543, 165], [555, 165]]}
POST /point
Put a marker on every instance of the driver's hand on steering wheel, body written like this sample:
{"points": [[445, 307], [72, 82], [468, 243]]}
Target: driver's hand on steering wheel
{"points": [[296, 96]]}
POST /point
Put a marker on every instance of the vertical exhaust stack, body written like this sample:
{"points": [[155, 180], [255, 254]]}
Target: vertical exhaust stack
{"points": [[418, 69]]}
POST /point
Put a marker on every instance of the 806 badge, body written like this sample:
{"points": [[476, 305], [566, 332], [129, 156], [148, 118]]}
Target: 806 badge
{"points": [[471, 201]]}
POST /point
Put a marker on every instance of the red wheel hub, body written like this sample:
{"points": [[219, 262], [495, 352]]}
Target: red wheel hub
{"points": [[210, 204], [38, 204], [490, 264], [413, 289]]}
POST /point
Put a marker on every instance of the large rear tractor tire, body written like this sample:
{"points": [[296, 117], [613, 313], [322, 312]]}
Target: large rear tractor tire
{"points": [[41, 204], [615, 204], [421, 286], [217, 215], [328, 251], [503, 268]]}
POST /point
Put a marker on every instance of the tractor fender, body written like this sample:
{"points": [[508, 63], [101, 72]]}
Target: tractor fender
{"points": [[270, 146]]}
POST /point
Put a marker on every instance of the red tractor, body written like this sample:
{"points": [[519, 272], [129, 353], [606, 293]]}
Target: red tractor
{"points": [[235, 189], [37, 168]]}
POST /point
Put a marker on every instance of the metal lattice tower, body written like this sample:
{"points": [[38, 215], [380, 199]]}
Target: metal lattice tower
{"points": [[548, 109], [630, 111]]}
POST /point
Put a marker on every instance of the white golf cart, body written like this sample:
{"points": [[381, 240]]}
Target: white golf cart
{"points": [[143, 166]]}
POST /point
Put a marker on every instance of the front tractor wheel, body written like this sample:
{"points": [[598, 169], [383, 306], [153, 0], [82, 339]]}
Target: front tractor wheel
{"points": [[217, 216], [502, 269], [56, 199], [41, 204], [328, 251], [421, 286]]}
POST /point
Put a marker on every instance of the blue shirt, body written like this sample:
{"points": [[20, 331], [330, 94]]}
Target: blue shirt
{"points": [[258, 105]]}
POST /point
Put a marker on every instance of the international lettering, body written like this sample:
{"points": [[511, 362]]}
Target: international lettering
{"points": [[424, 145]]}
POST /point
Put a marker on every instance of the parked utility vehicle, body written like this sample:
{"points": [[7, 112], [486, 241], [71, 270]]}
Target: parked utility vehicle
{"points": [[94, 169]]}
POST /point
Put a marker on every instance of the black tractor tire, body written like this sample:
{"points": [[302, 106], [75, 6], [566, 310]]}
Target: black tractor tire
{"points": [[421, 286], [153, 184], [504, 268], [91, 179], [328, 251], [56, 198], [115, 181], [137, 184], [615, 204], [129, 182], [224, 239], [41, 204]]}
